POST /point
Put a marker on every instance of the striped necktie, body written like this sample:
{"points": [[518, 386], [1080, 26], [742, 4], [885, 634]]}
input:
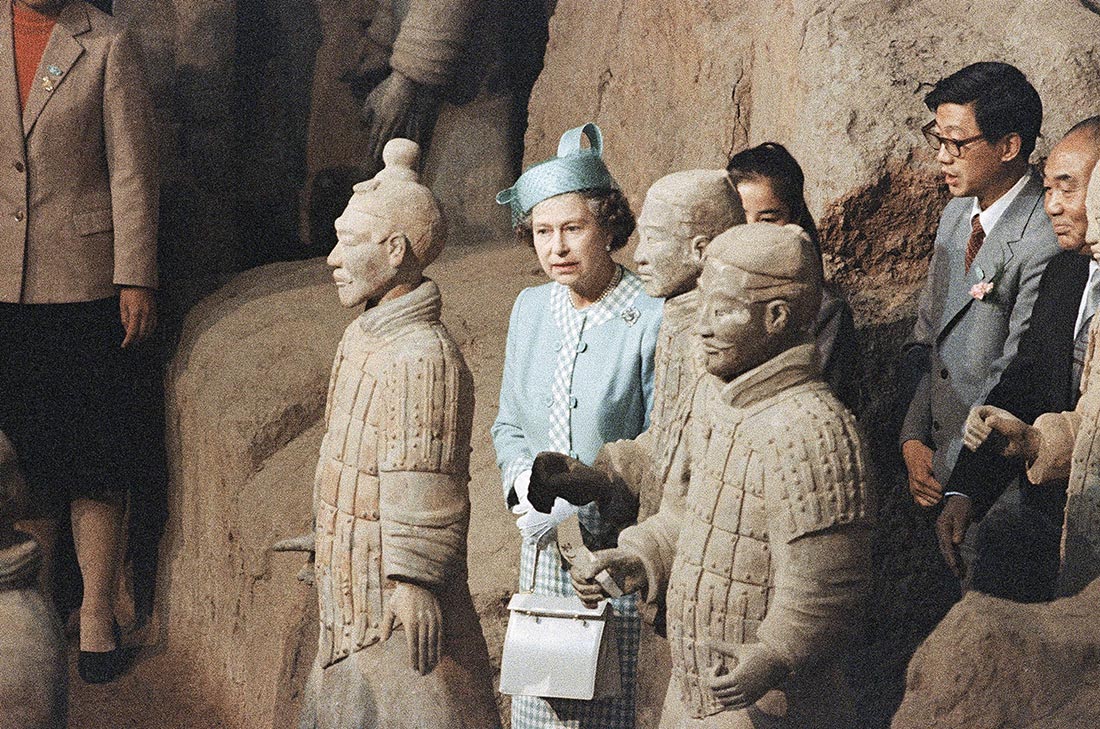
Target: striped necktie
{"points": [[974, 243]]}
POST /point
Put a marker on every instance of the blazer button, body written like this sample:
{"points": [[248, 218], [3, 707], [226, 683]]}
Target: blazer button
{"points": [[574, 456], [943, 373], [572, 402], [548, 400], [581, 346], [557, 346], [18, 215], [18, 166]]}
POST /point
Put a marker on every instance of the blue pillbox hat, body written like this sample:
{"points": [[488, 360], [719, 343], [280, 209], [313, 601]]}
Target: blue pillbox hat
{"points": [[575, 168]]}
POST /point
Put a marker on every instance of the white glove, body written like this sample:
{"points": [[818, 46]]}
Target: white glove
{"points": [[535, 526]]}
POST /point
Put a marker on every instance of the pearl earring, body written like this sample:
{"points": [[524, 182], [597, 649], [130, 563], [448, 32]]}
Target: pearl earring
{"points": [[607, 247]]}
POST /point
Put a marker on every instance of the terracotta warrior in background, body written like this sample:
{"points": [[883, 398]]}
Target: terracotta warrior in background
{"points": [[1063, 444], [766, 561], [391, 507], [34, 675]]}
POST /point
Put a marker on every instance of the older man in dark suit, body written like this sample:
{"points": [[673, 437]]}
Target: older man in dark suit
{"points": [[991, 248], [78, 265], [1017, 549]]}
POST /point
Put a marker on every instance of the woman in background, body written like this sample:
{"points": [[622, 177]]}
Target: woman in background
{"points": [[770, 183]]}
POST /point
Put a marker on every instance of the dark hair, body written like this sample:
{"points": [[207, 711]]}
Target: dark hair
{"points": [[772, 162], [1004, 101], [1090, 126], [610, 209]]}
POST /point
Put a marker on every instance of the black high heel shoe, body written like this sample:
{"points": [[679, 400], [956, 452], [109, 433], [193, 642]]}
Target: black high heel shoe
{"points": [[102, 666]]}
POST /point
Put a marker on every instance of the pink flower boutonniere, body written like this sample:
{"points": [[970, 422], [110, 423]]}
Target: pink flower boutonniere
{"points": [[987, 290], [981, 289]]}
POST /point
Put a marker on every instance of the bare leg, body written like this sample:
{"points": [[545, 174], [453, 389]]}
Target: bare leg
{"points": [[96, 535]]}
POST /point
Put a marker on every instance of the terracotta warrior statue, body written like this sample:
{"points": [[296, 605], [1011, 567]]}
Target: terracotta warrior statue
{"points": [[391, 506], [765, 562], [1061, 445], [682, 212], [34, 674]]}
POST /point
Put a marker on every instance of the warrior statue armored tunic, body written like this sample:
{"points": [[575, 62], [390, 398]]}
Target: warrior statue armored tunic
{"points": [[765, 561], [391, 506]]}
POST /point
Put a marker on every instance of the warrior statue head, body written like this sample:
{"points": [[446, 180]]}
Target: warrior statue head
{"points": [[682, 213], [759, 293], [390, 231]]}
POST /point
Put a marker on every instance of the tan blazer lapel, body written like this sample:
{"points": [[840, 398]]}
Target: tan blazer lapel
{"points": [[61, 53], [10, 118]]}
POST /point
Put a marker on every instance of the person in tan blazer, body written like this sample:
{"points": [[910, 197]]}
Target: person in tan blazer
{"points": [[78, 227]]}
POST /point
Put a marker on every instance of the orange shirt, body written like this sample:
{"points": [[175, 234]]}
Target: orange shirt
{"points": [[31, 32]]}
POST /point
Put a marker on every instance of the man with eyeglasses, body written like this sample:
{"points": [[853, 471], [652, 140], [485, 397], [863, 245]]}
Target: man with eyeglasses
{"points": [[992, 245], [1045, 377]]}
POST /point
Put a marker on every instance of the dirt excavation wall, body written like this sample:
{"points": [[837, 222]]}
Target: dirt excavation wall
{"points": [[674, 86]]}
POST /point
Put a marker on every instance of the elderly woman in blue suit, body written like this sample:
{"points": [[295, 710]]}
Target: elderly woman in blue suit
{"points": [[578, 373]]}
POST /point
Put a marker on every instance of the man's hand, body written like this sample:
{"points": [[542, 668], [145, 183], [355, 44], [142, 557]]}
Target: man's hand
{"points": [[924, 487], [417, 609], [750, 671], [626, 569], [138, 308], [555, 475], [951, 529], [984, 419]]}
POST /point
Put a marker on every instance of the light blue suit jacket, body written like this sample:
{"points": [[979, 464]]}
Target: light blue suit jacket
{"points": [[970, 342], [612, 381]]}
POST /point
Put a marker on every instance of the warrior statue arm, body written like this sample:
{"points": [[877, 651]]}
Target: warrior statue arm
{"points": [[1046, 446], [427, 51]]}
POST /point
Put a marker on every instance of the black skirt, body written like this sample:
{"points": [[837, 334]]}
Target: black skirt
{"points": [[67, 401]]}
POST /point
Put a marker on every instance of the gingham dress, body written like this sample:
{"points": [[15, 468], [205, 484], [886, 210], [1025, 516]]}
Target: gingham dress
{"points": [[529, 712]]}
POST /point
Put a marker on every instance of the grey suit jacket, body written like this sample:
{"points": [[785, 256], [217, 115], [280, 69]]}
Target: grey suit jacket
{"points": [[970, 342], [78, 170]]}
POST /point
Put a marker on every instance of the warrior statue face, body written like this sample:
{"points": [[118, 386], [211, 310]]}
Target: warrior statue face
{"points": [[681, 213], [669, 258], [732, 327], [758, 294], [364, 269]]}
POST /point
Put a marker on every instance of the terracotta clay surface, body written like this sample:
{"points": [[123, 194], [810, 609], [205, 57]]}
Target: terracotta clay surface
{"points": [[995, 663], [33, 670]]}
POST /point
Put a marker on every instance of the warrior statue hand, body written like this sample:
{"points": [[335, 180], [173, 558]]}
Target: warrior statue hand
{"points": [[555, 475], [417, 610], [749, 671], [1023, 440], [625, 568], [399, 107], [301, 543], [369, 67]]}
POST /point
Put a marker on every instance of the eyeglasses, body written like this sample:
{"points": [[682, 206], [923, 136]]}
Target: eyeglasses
{"points": [[954, 147]]}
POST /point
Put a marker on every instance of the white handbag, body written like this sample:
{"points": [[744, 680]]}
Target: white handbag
{"points": [[555, 647]]}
